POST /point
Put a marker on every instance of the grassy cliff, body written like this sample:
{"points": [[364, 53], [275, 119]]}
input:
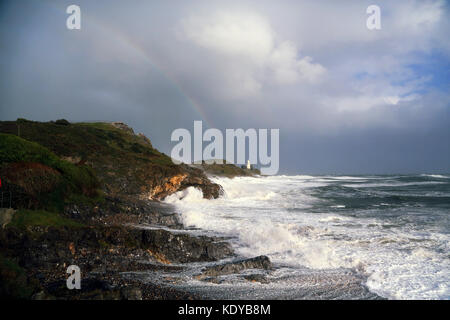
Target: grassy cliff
{"points": [[123, 163], [39, 178], [227, 170]]}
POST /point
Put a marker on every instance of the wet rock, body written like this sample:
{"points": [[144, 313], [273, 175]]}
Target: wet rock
{"points": [[197, 178], [261, 278], [91, 289], [183, 248], [165, 220], [188, 177], [214, 280], [260, 262], [132, 293]]}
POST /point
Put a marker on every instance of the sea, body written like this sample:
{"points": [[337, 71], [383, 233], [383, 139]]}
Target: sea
{"points": [[393, 230]]}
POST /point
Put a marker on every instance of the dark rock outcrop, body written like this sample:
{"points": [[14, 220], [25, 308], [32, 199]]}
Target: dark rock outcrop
{"points": [[261, 278], [183, 248], [188, 177], [260, 262], [123, 126]]}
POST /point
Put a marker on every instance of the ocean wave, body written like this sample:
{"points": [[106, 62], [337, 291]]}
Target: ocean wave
{"points": [[257, 215], [438, 176], [391, 184]]}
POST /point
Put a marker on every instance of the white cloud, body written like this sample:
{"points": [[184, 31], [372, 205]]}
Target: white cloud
{"points": [[248, 63], [248, 43], [394, 100], [288, 69], [419, 16], [234, 34]]}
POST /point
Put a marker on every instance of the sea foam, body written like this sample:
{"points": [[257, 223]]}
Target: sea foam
{"points": [[293, 220]]}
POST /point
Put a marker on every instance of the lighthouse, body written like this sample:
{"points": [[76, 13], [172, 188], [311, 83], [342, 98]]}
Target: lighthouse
{"points": [[249, 166]]}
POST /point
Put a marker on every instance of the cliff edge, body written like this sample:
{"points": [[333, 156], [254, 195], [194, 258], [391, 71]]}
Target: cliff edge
{"points": [[120, 162]]}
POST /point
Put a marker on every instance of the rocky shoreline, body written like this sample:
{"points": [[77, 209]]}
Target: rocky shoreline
{"points": [[90, 198], [105, 246], [147, 238], [87, 194], [122, 244]]}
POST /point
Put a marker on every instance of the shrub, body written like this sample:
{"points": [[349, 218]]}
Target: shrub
{"points": [[43, 168], [62, 122]]}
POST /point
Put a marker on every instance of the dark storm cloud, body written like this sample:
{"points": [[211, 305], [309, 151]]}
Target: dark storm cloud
{"points": [[345, 99]]}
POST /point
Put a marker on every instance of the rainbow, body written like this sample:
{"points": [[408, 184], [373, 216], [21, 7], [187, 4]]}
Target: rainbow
{"points": [[118, 36]]}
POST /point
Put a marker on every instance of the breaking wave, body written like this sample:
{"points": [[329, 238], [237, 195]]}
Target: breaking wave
{"points": [[327, 222]]}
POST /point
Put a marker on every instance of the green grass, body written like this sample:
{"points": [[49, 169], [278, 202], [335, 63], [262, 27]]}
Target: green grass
{"points": [[26, 218], [123, 162], [89, 141], [15, 149], [228, 170], [76, 179]]}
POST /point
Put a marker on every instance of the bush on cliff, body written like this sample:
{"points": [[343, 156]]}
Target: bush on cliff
{"points": [[124, 163], [26, 218], [33, 170]]}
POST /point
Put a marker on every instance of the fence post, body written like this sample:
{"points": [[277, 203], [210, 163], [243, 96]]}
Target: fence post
{"points": [[2, 201], [10, 199]]}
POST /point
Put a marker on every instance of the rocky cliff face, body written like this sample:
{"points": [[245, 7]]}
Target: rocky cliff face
{"points": [[124, 163]]}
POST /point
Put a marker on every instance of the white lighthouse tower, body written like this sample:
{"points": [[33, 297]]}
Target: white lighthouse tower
{"points": [[249, 166]]}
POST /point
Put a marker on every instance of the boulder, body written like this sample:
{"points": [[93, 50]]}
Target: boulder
{"points": [[260, 262], [183, 248], [6, 216]]}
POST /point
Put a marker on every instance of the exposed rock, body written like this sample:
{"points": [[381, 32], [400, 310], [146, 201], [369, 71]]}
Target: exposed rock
{"points": [[197, 178], [123, 126], [261, 278], [183, 248], [145, 139], [118, 211], [165, 220], [260, 262], [93, 246], [6, 216], [91, 289], [170, 185], [191, 177], [214, 280], [74, 159]]}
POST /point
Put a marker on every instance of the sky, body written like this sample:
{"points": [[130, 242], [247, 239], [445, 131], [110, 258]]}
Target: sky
{"points": [[347, 100]]}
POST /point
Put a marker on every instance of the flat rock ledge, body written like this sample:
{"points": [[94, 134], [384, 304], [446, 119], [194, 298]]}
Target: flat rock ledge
{"points": [[260, 262], [184, 248]]}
